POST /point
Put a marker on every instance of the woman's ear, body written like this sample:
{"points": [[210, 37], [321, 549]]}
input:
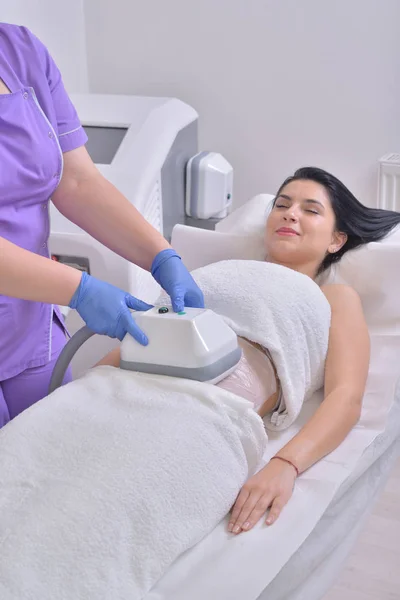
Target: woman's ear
{"points": [[338, 241]]}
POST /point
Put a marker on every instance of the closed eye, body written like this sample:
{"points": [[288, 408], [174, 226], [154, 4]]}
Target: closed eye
{"points": [[315, 212]]}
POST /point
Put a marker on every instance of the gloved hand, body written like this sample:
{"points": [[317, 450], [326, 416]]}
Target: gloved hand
{"points": [[105, 309], [170, 272]]}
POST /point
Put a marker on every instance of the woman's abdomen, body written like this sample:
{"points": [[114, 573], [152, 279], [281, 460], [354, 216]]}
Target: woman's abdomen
{"points": [[254, 378]]}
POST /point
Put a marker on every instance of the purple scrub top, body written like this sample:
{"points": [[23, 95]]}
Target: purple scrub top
{"points": [[37, 124]]}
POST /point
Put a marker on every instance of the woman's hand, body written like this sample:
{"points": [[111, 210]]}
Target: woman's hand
{"points": [[270, 487]]}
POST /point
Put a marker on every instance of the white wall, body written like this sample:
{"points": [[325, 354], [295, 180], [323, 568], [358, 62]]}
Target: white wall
{"points": [[278, 83], [60, 25]]}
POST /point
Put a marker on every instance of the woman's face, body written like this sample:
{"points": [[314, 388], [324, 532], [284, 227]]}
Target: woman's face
{"points": [[300, 229]]}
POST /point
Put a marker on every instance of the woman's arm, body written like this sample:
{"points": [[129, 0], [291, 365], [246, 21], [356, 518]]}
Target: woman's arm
{"points": [[26, 275], [87, 199], [345, 378]]}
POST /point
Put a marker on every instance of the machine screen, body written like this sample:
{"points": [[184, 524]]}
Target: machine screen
{"points": [[103, 142]]}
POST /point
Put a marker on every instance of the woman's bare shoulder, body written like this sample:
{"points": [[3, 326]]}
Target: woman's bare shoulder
{"points": [[340, 293]]}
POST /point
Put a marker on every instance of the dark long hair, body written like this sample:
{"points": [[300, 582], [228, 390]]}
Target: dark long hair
{"points": [[361, 223]]}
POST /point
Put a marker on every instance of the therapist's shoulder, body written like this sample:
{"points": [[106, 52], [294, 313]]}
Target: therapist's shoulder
{"points": [[26, 53], [19, 37]]}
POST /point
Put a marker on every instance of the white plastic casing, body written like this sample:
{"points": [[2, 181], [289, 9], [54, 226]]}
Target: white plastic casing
{"points": [[209, 186], [194, 340]]}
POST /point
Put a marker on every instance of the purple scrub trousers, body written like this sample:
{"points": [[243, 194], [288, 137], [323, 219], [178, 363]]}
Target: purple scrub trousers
{"points": [[38, 124], [26, 388]]}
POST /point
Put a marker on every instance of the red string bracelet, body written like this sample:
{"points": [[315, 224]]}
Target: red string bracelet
{"points": [[289, 462]]}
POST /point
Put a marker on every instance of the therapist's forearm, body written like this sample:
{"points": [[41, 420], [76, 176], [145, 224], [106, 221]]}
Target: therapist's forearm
{"points": [[328, 427], [96, 206], [26, 275]]}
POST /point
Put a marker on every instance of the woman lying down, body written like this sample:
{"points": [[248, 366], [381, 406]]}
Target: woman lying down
{"points": [[115, 475], [304, 337]]}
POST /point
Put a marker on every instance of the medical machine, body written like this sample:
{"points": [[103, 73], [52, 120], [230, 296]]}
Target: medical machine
{"points": [[192, 344], [148, 148]]}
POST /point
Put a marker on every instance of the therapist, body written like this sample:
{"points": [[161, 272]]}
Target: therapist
{"points": [[43, 156]]}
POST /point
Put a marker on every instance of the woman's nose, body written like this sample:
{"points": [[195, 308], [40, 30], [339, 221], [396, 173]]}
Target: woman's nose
{"points": [[290, 216]]}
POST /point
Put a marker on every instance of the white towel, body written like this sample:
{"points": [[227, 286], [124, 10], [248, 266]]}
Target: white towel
{"points": [[283, 311], [107, 481]]}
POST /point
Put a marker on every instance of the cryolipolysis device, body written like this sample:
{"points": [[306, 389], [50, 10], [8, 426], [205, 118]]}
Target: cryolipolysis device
{"points": [[193, 344]]}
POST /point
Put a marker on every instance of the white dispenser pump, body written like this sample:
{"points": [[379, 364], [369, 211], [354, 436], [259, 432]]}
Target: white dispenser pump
{"points": [[209, 186]]}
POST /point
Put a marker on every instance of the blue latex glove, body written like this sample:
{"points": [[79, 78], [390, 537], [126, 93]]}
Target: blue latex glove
{"points": [[170, 272], [105, 309]]}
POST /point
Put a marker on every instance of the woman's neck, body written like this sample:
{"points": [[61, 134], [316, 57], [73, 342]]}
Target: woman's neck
{"points": [[308, 269]]}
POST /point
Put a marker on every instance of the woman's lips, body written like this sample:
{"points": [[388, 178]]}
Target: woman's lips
{"points": [[286, 231]]}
